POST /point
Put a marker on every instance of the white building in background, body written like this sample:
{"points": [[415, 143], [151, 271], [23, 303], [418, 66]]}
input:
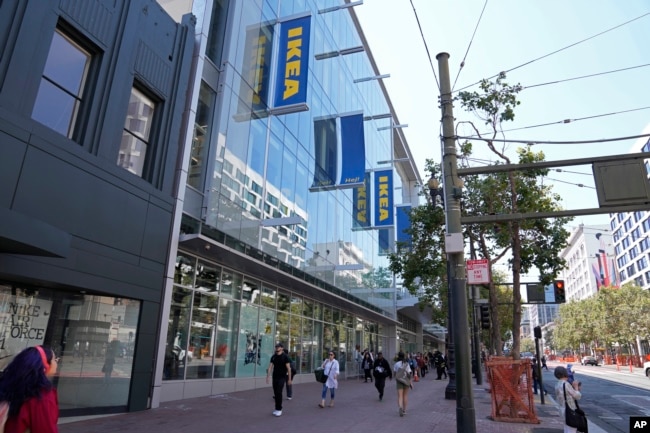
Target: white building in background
{"points": [[589, 262], [630, 235]]}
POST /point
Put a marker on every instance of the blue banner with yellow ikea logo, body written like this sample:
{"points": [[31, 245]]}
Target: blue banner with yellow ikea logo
{"points": [[292, 63], [383, 198]]}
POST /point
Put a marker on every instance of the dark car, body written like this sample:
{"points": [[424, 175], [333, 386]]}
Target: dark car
{"points": [[589, 360]]}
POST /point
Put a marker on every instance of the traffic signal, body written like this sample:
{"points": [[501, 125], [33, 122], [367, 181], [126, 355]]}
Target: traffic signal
{"points": [[485, 316], [537, 331], [558, 288]]}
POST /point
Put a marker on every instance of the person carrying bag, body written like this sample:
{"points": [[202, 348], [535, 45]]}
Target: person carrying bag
{"points": [[567, 395]]}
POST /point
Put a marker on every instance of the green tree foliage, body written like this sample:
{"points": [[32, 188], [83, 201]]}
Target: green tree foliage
{"points": [[531, 243], [613, 315], [422, 265]]}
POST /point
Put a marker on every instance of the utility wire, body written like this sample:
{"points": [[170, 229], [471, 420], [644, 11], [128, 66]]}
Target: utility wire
{"points": [[573, 120], [462, 64], [557, 51], [533, 142], [426, 47], [585, 76]]}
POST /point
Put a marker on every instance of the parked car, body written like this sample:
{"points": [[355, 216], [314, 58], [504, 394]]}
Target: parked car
{"points": [[527, 355], [646, 368], [589, 360]]}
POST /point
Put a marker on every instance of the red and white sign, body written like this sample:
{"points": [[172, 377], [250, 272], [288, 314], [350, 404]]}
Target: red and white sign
{"points": [[478, 271]]}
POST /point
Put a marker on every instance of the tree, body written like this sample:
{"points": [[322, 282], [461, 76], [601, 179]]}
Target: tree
{"points": [[422, 264], [530, 243], [614, 315]]}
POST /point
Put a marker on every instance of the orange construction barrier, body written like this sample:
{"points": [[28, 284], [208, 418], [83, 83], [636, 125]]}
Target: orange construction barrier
{"points": [[511, 386]]}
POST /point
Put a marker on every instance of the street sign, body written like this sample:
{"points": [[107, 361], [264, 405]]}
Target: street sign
{"points": [[478, 271]]}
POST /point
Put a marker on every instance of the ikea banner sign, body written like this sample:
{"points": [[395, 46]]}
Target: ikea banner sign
{"points": [[292, 63], [383, 198]]}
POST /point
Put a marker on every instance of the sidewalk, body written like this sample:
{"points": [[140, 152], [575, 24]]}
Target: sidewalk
{"points": [[357, 409]]}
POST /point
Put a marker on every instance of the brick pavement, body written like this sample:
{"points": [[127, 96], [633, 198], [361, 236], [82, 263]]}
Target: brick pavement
{"points": [[357, 409]]}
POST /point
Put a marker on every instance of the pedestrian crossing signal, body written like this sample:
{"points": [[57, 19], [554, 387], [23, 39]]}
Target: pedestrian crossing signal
{"points": [[558, 289]]}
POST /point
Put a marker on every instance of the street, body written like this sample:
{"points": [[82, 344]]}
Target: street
{"points": [[610, 396]]}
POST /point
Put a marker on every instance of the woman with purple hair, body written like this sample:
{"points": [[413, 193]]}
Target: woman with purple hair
{"points": [[25, 385]]}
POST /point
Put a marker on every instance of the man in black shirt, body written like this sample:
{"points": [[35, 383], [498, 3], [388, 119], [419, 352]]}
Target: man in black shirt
{"points": [[381, 370], [280, 365]]}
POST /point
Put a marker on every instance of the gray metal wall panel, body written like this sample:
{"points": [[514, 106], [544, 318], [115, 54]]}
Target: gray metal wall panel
{"points": [[13, 152], [157, 231], [61, 194]]}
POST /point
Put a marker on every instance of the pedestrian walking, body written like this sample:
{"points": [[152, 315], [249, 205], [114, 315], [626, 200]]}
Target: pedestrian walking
{"points": [[403, 387], [331, 369], [280, 370], [544, 362], [381, 370], [25, 385], [366, 365]]}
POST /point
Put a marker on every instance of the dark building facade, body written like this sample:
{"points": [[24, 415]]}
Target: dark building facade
{"points": [[92, 97]]}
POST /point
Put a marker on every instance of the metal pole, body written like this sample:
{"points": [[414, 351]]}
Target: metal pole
{"points": [[538, 367], [450, 389], [465, 414], [476, 340]]}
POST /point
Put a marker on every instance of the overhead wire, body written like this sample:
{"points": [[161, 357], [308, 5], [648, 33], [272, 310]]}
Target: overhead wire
{"points": [[426, 47], [559, 50], [577, 119], [462, 63], [585, 76], [533, 142]]}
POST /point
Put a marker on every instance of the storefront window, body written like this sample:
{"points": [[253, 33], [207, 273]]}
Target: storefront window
{"points": [[94, 336], [249, 343], [202, 336], [177, 353], [227, 329]]}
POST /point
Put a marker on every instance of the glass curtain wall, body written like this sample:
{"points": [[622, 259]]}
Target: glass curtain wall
{"points": [[264, 165], [223, 324]]}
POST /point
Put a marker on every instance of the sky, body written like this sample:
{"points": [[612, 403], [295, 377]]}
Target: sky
{"points": [[569, 38]]}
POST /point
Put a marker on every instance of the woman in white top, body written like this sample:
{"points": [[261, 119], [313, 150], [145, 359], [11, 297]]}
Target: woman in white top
{"points": [[402, 389], [331, 369], [572, 394]]}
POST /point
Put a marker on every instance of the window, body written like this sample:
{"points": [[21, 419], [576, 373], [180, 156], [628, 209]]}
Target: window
{"points": [[59, 99], [137, 130]]}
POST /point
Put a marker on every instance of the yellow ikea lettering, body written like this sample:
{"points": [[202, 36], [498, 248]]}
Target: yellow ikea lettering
{"points": [[383, 201], [258, 57], [293, 58], [362, 204]]}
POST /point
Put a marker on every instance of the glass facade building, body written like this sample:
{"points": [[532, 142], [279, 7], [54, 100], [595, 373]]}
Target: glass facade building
{"points": [[295, 170]]}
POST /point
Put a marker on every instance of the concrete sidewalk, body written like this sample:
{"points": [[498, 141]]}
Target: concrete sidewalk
{"points": [[357, 409]]}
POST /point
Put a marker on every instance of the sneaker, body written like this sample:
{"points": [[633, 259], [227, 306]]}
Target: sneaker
{"points": [[277, 412], [289, 398], [401, 412]]}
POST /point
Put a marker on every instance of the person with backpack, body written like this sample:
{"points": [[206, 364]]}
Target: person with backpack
{"points": [[26, 387], [280, 365], [403, 374], [381, 370]]}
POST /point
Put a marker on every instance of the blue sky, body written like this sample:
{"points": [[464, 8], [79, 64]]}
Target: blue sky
{"points": [[512, 33]]}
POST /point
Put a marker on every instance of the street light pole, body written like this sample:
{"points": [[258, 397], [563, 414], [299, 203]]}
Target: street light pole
{"points": [[465, 413]]}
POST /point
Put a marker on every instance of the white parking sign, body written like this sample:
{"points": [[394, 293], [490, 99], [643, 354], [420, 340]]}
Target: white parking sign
{"points": [[478, 271]]}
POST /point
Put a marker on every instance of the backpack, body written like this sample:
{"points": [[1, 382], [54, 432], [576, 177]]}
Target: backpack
{"points": [[403, 376], [4, 413]]}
